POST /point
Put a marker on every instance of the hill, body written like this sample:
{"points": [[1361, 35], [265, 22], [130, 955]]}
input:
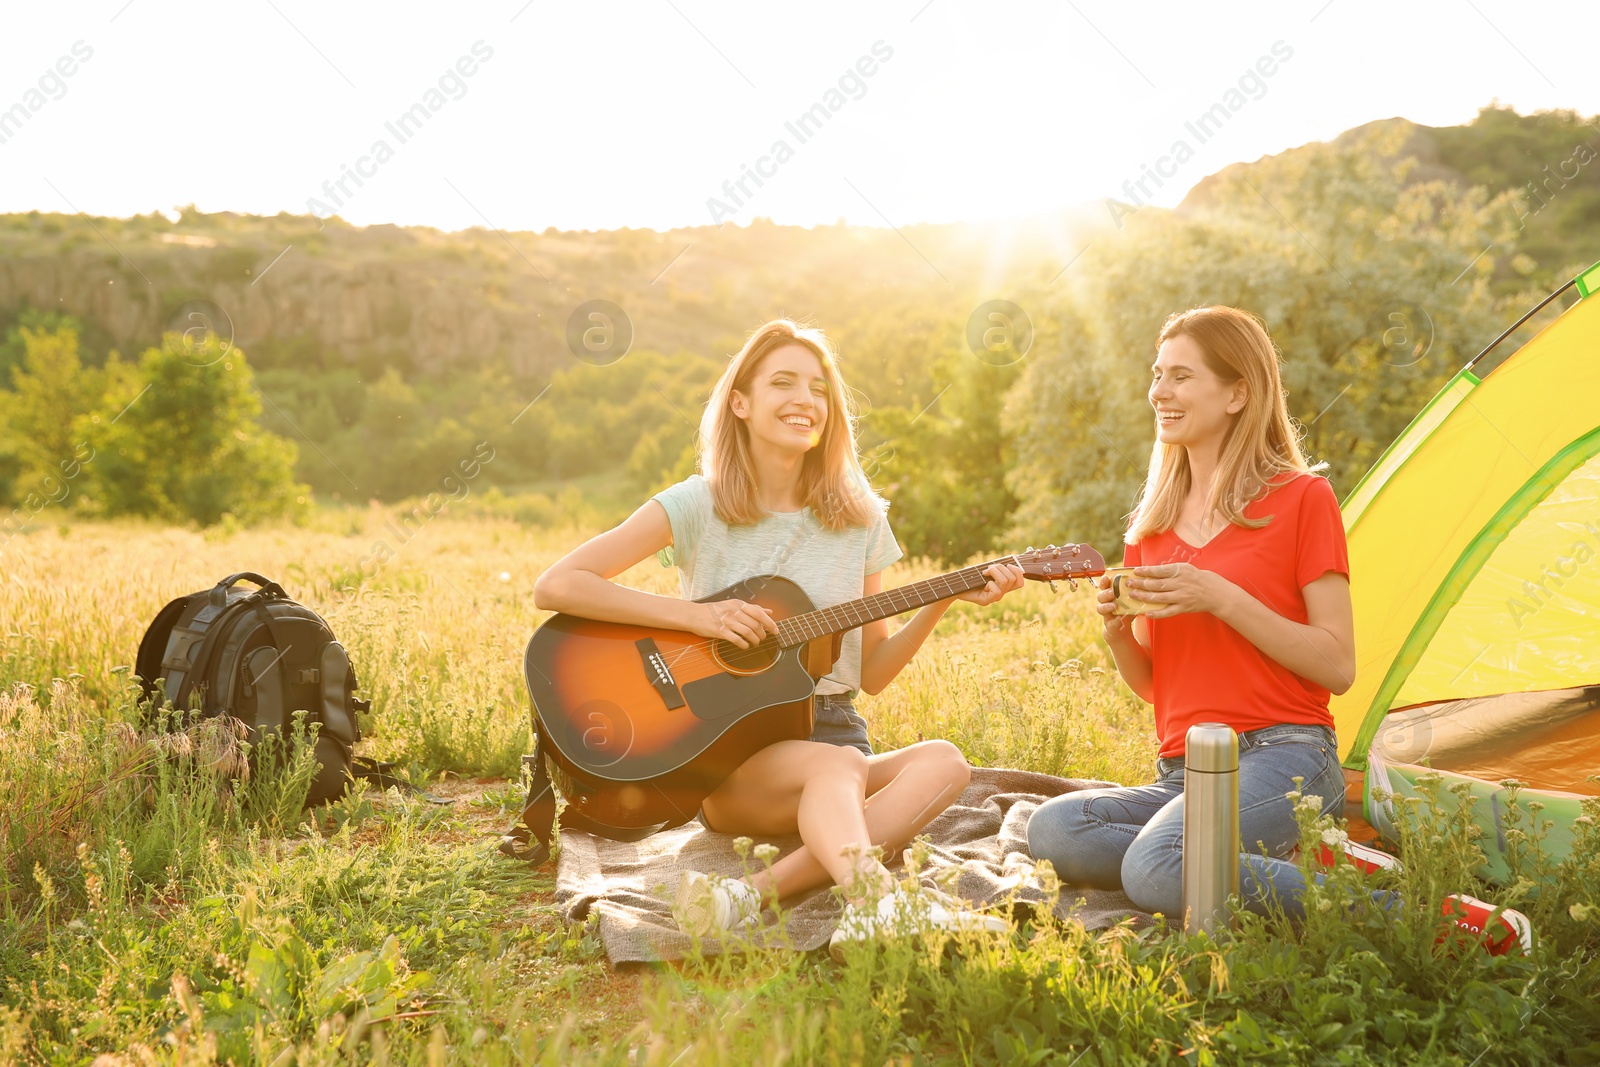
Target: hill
{"points": [[299, 292], [1548, 157], [390, 355]]}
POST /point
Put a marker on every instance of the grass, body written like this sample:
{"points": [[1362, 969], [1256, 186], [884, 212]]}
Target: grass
{"points": [[166, 911]]}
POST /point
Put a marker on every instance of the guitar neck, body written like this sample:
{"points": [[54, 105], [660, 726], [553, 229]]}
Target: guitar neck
{"points": [[798, 629]]}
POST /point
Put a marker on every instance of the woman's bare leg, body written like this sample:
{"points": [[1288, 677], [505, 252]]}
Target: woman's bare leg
{"points": [[903, 791], [818, 789], [906, 790]]}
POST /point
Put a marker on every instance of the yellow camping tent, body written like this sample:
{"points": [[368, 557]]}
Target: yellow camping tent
{"points": [[1475, 577]]}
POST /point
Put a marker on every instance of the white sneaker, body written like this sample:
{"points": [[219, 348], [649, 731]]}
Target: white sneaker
{"points": [[902, 913], [705, 905]]}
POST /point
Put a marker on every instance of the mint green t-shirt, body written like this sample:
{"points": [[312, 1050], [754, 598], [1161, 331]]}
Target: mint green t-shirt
{"points": [[828, 564]]}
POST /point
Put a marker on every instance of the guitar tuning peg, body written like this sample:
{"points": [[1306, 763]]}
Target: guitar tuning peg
{"points": [[1052, 582], [1030, 548]]}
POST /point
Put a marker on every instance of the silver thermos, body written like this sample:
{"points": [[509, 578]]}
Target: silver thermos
{"points": [[1210, 825]]}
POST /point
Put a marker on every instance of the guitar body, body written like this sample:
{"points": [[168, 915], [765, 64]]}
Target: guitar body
{"points": [[640, 724]]}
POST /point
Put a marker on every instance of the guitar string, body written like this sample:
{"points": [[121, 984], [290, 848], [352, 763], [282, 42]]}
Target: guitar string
{"points": [[842, 611], [839, 609], [757, 652]]}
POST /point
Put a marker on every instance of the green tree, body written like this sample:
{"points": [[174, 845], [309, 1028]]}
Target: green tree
{"points": [[39, 449], [403, 445], [1550, 158], [943, 465], [49, 390], [178, 438], [1327, 245], [94, 344]]}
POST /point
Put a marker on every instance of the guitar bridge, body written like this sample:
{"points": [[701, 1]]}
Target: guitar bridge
{"points": [[660, 675]]}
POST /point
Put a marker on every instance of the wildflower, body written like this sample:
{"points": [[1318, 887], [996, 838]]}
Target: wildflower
{"points": [[1307, 802], [1333, 837], [1045, 872], [741, 846], [766, 853], [47, 886], [1583, 912]]}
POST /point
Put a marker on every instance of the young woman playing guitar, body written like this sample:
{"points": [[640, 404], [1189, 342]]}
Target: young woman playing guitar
{"points": [[1239, 552], [781, 491]]}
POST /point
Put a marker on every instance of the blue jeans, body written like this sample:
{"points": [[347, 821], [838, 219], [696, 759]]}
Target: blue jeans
{"points": [[1131, 838]]}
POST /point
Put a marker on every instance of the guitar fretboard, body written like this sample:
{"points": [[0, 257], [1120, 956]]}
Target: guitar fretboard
{"points": [[798, 629]]}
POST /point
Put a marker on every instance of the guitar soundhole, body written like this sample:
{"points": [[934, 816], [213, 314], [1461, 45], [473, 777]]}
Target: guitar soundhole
{"points": [[607, 731], [752, 660]]}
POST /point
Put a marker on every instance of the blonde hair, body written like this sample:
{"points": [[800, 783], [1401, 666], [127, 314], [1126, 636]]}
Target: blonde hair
{"points": [[832, 482], [1261, 441]]}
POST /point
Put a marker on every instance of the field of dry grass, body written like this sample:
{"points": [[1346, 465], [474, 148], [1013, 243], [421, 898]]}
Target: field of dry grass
{"points": [[166, 915]]}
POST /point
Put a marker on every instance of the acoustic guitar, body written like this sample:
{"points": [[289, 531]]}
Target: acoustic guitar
{"points": [[639, 723]]}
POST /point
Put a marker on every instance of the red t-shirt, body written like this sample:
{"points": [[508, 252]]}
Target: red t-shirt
{"points": [[1202, 668]]}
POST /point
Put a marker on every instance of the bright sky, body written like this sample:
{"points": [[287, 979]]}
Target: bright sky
{"points": [[603, 115]]}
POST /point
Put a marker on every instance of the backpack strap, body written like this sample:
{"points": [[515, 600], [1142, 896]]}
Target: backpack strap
{"points": [[212, 622], [269, 587], [382, 775], [153, 647], [218, 615], [532, 835]]}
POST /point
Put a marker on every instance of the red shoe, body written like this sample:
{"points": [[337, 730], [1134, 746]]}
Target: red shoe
{"points": [[1367, 860], [1499, 936]]}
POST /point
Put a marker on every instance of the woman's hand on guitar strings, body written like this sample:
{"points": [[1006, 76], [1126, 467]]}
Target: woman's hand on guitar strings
{"points": [[739, 621], [1003, 578]]}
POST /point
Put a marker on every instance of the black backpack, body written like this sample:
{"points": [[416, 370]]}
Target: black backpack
{"points": [[258, 656]]}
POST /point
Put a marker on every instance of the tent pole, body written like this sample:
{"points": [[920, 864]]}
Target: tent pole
{"points": [[1513, 327]]}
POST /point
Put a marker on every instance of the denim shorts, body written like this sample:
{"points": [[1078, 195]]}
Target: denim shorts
{"points": [[838, 723]]}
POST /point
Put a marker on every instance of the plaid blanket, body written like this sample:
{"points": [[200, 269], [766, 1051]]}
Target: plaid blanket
{"points": [[983, 834]]}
